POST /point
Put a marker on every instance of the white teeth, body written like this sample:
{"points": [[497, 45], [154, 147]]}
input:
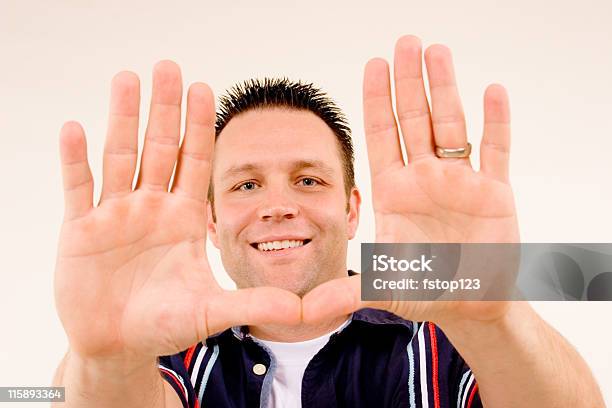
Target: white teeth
{"points": [[276, 245]]}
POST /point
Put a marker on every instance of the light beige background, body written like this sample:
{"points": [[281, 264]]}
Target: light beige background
{"points": [[57, 59]]}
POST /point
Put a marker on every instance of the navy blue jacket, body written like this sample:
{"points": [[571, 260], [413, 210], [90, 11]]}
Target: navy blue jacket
{"points": [[377, 360]]}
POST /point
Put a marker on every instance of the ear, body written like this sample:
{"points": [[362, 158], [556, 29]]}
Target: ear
{"points": [[211, 226], [354, 204]]}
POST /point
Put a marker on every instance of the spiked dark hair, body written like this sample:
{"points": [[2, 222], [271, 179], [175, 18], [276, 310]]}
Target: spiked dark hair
{"points": [[281, 92]]}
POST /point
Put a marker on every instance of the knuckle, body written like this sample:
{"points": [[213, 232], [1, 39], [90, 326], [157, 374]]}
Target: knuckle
{"points": [[413, 114]]}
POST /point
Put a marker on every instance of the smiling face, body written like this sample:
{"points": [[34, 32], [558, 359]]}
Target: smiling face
{"points": [[280, 202]]}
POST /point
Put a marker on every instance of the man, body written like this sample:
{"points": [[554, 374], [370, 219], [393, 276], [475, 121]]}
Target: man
{"points": [[133, 282]]}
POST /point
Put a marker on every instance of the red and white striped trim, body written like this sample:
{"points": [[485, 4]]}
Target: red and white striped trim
{"points": [[177, 379]]}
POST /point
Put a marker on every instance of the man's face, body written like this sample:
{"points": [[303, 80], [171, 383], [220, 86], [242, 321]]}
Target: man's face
{"points": [[278, 181]]}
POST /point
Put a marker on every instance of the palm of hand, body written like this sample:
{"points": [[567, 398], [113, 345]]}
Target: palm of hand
{"points": [[434, 201], [431, 199], [142, 257]]}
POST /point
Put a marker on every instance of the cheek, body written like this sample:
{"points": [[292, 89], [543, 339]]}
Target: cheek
{"points": [[331, 219], [231, 221], [330, 203]]}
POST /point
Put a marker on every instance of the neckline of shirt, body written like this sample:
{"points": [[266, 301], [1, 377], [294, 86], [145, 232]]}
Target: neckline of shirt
{"points": [[292, 352]]}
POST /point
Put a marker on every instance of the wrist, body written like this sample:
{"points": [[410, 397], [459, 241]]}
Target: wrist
{"points": [[111, 365], [483, 341], [111, 381], [480, 316]]}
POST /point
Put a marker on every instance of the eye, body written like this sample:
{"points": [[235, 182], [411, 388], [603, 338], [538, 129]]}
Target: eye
{"points": [[247, 186], [309, 182]]}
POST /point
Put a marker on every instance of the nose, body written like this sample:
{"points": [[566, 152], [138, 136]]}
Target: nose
{"points": [[277, 206]]}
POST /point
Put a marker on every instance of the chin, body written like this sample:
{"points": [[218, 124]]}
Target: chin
{"points": [[300, 284], [299, 291], [299, 288]]}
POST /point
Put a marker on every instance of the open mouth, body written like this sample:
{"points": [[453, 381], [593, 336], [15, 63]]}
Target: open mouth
{"points": [[278, 246]]}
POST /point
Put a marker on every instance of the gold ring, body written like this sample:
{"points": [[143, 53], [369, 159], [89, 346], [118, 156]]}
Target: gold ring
{"points": [[453, 153]]}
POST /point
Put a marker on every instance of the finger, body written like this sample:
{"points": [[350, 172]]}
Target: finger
{"points": [[163, 130], [252, 306], [343, 296], [447, 113], [335, 298], [195, 156], [382, 138], [412, 106], [495, 145], [121, 148], [76, 175]]}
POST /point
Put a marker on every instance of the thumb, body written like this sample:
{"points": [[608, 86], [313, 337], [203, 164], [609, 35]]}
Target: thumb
{"points": [[335, 298], [251, 306]]}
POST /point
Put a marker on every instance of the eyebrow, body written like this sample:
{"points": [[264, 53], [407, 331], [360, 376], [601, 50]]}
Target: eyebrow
{"points": [[295, 166]]}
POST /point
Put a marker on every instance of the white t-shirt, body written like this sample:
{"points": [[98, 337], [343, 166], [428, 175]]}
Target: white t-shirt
{"points": [[291, 362]]}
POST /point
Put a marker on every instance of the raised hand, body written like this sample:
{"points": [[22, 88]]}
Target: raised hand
{"points": [[132, 278], [430, 199], [426, 198]]}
